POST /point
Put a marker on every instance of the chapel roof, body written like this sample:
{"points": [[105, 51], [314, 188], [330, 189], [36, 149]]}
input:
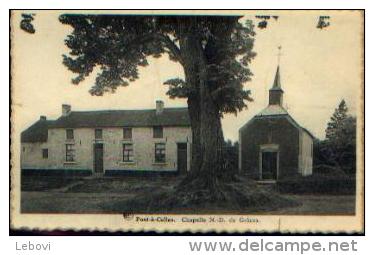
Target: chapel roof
{"points": [[273, 109]]}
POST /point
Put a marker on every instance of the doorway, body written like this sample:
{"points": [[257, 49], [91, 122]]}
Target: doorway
{"points": [[98, 158], [182, 157], [269, 169]]}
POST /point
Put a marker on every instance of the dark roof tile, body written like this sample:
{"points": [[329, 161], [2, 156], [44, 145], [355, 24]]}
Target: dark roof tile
{"points": [[38, 132], [124, 118]]}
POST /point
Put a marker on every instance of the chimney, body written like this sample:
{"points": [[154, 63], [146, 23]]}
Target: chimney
{"points": [[66, 109], [43, 117], [159, 106]]}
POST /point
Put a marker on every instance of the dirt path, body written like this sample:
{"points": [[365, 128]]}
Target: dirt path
{"points": [[67, 187], [84, 202], [60, 202], [320, 205]]}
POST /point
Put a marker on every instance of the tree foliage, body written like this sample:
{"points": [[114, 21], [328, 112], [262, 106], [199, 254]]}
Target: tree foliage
{"points": [[231, 155], [118, 45], [323, 22], [26, 23], [339, 148], [336, 121]]}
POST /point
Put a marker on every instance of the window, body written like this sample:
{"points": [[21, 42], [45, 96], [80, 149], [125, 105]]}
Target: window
{"points": [[69, 134], [45, 153], [157, 132], [98, 134], [127, 133], [70, 153], [160, 153], [128, 152]]}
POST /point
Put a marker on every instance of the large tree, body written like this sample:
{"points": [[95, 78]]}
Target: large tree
{"points": [[339, 148], [336, 120], [214, 51]]}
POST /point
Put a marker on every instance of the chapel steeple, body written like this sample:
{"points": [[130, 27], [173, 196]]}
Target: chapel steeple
{"points": [[276, 92]]}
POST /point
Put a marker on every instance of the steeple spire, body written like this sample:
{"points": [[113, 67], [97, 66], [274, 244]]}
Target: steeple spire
{"points": [[277, 83], [276, 92]]}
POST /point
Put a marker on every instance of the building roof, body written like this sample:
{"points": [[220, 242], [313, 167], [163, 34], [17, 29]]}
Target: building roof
{"points": [[277, 82], [124, 118], [277, 111], [271, 112], [38, 132], [302, 128], [273, 109], [287, 116]]}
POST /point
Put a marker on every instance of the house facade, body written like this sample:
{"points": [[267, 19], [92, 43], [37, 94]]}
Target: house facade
{"points": [[110, 142], [272, 145]]}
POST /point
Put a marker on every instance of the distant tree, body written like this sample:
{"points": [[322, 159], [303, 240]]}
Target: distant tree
{"points": [[344, 145], [231, 156], [339, 148], [337, 119]]}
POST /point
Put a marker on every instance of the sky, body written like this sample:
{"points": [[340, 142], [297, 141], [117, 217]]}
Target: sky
{"points": [[318, 69]]}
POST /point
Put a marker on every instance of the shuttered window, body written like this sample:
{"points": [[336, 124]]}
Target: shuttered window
{"points": [[98, 134], [127, 133], [128, 152], [45, 153], [160, 152], [70, 153], [69, 134], [158, 132]]}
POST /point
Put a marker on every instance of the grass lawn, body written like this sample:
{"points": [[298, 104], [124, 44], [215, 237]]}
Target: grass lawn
{"points": [[112, 195]]}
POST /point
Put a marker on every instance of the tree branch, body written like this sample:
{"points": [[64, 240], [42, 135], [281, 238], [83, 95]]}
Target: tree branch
{"points": [[216, 91], [168, 43]]}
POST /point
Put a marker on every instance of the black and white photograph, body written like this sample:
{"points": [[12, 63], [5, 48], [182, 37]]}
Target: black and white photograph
{"points": [[238, 120]]}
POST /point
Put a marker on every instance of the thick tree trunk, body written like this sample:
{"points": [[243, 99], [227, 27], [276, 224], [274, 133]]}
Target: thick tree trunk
{"points": [[190, 65], [207, 155], [194, 112], [211, 142]]}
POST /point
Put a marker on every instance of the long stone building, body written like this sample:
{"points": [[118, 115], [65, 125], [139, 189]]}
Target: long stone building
{"points": [[272, 144], [109, 142]]}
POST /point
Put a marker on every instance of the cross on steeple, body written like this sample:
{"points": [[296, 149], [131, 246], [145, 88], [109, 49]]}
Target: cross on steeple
{"points": [[277, 83], [276, 92], [279, 53]]}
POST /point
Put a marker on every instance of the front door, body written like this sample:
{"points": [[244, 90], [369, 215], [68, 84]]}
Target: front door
{"points": [[98, 157], [269, 165], [182, 157]]}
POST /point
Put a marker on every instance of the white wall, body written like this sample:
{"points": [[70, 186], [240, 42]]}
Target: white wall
{"points": [[143, 144], [144, 148], [306, 154], [31, 155]]}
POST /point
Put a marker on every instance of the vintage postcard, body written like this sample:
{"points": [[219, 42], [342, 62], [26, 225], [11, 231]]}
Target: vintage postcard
{"points": [[187, 121]]}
